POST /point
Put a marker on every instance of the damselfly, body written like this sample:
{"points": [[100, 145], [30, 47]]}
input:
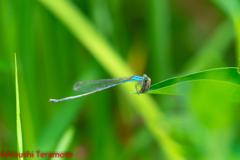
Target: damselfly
{"points": [[98, 85]]}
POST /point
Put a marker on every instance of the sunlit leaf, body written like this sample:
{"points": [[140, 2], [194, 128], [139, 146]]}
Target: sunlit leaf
{"points": [[223, 80]]}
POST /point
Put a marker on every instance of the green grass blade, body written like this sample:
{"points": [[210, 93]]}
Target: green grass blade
{"points": [[111, 62], [19, 128], [226, 78]]}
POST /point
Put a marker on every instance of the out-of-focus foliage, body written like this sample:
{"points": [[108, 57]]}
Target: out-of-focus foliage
{"points": [[59, 43]]}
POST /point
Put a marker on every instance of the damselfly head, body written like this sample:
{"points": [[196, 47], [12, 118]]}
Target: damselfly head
{"points": [[146, 84], [146, 78]]}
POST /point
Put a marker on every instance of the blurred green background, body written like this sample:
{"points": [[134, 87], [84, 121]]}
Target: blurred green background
{"points": [[59, 43]]}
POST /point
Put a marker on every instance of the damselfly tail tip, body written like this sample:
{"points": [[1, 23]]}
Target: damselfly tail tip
{"points": [[52, 100]]}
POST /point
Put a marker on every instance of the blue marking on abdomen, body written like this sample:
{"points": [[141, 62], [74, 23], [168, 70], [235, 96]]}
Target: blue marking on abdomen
{"points": [[137, 78]]}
